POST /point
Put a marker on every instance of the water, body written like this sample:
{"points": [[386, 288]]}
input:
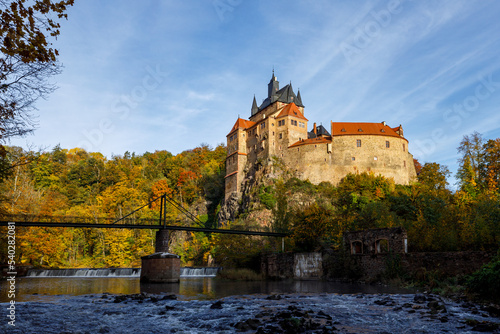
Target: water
{"points": [[348, 313], [83, 305], [40, 288]]}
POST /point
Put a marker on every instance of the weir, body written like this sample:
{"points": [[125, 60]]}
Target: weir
{"points": [[85, 272], [117, 272]]}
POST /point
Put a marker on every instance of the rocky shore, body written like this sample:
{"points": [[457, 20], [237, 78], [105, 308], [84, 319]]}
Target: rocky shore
{"points": [[276, 313]]}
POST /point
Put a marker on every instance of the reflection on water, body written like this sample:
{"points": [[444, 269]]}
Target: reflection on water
{"points": [[32, 289]]}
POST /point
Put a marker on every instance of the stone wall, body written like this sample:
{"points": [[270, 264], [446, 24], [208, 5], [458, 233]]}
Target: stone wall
{"points": [[442, 264], [369, 267], [277, 266], [317, 163], [301, 266]]}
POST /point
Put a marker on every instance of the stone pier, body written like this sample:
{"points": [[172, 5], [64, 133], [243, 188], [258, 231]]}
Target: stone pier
{"points": [[161, 267]]}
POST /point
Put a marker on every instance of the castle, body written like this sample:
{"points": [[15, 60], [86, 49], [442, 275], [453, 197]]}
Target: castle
{"points": [[278, 128]]}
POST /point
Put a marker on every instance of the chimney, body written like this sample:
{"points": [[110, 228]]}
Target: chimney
{"points": [[383, 123], [314, 129]]}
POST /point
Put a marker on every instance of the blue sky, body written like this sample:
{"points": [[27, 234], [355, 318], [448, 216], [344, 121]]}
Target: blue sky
{"points": [[171, 75]]}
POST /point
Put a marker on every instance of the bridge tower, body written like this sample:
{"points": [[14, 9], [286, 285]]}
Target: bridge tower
{"points": [[162, 266]]}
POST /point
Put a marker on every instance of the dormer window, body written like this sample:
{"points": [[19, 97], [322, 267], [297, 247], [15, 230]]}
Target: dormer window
{"points": [[343, 130], [360, 130], [382, 130]]}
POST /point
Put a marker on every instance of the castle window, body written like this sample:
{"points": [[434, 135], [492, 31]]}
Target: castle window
{"points": [[404, 148], [353, 158], [358, 142], [281, 136], [357, 247], [387, 144], [404, 164], [262, 125], [375, 158], [272, 124]]}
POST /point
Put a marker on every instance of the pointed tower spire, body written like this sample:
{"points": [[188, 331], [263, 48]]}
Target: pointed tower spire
{"points": [[273, 86], [255, 109], [298, 102]]}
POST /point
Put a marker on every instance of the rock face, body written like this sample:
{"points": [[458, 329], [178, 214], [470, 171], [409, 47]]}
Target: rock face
{"points": [[229, 209], [247, 200]]}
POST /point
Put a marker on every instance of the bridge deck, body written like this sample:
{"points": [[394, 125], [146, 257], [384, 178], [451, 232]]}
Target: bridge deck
{"points": [[138, 224]]}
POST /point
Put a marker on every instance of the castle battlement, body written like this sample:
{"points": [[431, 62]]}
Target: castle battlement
{"points": [[278, 128]]}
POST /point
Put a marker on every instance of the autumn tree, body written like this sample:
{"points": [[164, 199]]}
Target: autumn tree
{"points": [[490, 165], [434, 176], [27, 60], [468, 174]]}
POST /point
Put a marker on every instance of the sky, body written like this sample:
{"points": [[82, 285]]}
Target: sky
{"points": [[171, 75]]}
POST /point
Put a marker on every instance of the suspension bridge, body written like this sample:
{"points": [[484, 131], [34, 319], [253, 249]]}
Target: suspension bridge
{"points": [[128, 221]]}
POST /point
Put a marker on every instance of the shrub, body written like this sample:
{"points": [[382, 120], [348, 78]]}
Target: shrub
{"points": [[484, 282], [239, 275], [266, 196]]}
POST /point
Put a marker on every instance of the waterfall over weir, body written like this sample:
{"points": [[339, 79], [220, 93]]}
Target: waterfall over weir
{"points": [[116, 272], [85, 272], [199, 272]]}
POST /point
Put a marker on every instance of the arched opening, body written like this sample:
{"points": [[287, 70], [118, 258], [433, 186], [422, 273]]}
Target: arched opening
{"points": [[356, 247], [382, 246]]}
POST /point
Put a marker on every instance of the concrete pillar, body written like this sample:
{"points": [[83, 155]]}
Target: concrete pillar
{"points": [[161, 267]]}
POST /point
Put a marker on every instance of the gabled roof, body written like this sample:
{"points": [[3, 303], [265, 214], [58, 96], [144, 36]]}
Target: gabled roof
{"points": [[241, 124], [291, 110], [353, 128]]}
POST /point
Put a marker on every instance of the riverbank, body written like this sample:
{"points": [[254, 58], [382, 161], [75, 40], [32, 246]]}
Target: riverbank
{"points": [[275, 313]]}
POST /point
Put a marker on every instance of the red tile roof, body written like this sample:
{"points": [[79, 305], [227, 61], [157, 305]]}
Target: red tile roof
{"points": [[348, 128], [241, 123], [291, 110], [311, 141]]}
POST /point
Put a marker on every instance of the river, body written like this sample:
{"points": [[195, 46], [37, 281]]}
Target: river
{"points": [[208, 305]]}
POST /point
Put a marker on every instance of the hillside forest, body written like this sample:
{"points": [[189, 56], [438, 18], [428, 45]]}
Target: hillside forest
{"points": [[76, 183]]}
